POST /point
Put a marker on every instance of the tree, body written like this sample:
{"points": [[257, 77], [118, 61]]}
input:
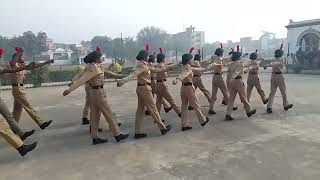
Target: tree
{"points": [[155, 36]]}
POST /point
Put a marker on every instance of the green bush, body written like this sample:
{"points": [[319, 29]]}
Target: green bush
{"points": [[38, 76]]}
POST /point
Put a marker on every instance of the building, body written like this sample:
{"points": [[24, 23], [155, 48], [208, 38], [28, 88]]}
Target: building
{"points": [[303, 39], [190, 38]]}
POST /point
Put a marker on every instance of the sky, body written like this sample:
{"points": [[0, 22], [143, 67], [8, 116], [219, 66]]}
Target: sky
{"points": [[70, 21]]}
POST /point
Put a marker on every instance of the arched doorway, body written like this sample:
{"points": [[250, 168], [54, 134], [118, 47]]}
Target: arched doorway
{"points": [[309, 41]]}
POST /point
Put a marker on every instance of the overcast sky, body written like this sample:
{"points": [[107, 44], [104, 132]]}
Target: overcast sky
{"points": [[71, 21]]}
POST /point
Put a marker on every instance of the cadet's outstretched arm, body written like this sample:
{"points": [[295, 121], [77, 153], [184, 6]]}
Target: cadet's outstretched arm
{"points": [[43, 64], [82, 80], [17, 69], [114, 75]]}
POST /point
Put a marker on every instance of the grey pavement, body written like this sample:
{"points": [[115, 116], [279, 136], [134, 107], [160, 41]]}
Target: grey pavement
{"points": [[281, 146]]}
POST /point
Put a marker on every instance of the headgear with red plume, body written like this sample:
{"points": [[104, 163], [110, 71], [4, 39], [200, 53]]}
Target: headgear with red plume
{"points": [[93, 56], [18, 52], [197, 57], [236, 55], [254, 55], [279, 52], [187, 56], [143, 54], [219, 51], [161, 56]]}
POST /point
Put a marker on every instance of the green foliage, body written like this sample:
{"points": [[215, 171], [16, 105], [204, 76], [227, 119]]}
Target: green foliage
{"points": [[38, 76]]}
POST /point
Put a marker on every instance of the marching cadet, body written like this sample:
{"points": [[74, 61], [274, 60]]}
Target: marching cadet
{"points": [[236, 86], [253, 78], [144, 93], [187, 93], [94, 75], [14, 140], [86, 107], [19, 91], [197, 81], [5, 68], [217, 80], [162, 91], [277, 80], [166, 106]]}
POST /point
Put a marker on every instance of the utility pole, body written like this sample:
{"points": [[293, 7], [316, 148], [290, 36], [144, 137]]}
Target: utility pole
{"points": [[121, 47]]}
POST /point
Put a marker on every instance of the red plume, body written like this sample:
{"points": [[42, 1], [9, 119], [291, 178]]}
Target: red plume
{"points": [[18, 49], [1, 52], [281, 46], [199, 51], [238, 48], [191, 49], [154, 53], [256, 50], [98, 49], [161, 51], [232, 49], [147, 47], [221, 45]]}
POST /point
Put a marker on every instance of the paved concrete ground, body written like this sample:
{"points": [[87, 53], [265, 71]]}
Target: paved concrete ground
{"points": [[281, 146]]}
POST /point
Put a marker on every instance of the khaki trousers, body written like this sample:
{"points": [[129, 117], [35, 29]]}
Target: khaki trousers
{"points": [[99, 104], [21, 102], [197, 83], [188, 97], [254, 81], [4, 111], [162, 93], [237, 86], [9, 135], [86, 107], [277, 80], [145, 99], [218, 83]]}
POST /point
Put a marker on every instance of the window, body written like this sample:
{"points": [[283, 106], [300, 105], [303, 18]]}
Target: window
{"points": [[60, 56]]}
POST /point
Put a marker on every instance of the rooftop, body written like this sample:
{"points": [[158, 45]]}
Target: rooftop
{"points": [[312, 22]]}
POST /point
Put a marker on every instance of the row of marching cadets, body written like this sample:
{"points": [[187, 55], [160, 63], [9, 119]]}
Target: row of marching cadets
{"points": [[151, 79], [10, 129]]}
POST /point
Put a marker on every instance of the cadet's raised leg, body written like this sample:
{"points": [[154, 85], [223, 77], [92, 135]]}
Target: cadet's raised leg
{"points": [[283, 90], [20, 101], [9, 135], [273, 90], [249, 90]]}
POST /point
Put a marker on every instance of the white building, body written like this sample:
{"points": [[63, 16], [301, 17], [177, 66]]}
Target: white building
{"points": [[190, 38], [303, 35]]}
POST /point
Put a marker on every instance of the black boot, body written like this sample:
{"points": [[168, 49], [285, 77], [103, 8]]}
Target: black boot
{"points": [[140, 135], [228, 118], [235, 108], [168, 109], [207, 120], [265, 101], [288, 107], [96, 141], [269, 110], [119, 124], [147, 113], [27, 134], [190, 108], [186, 128], [164, 131], [85, 121], [179, 114], [211, 112], [224, 102], [45, 124], [24, 149], [121, 137], [252, 112]]}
